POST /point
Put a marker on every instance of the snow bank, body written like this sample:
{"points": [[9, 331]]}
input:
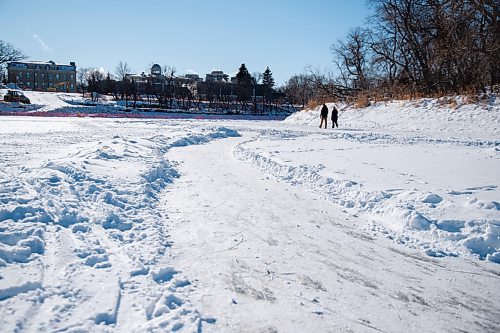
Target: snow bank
{"points": [[406, 167], [447, 116], [403, 215]]}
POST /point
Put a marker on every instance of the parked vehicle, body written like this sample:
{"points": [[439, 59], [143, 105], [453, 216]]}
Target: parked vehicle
{"points": [[16, 96]]}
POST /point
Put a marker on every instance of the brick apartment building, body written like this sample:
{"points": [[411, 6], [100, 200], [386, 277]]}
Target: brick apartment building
{"points": [[43, 76]]}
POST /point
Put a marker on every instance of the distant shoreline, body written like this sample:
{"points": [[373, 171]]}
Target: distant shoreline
{"points": [[163, 115]]}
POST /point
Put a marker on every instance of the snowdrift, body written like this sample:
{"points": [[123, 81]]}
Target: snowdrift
{"points": [[442, 195], [452, 117]]}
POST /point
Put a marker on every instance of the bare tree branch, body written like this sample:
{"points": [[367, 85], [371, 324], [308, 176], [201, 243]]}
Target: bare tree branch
{"points": [[9, 53]]}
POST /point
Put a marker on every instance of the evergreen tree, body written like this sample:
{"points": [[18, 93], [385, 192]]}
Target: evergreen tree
{"points": [[244, 79], [109, 85], [268, 79], [268, 82], [243, 75]]}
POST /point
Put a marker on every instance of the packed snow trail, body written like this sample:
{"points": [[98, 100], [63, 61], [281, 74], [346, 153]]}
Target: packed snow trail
{"points": [[266, 256]]}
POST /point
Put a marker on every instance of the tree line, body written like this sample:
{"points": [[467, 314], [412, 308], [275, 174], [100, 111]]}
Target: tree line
{"points": [[221, 94], [412, 47]]}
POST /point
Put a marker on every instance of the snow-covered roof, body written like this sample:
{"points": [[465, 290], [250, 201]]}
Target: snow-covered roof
{"points": [[37, 62]]}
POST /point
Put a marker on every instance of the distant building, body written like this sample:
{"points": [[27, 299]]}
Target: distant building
{"points": [[216, 76], [156, 70], [194, 77], [43, 76]]}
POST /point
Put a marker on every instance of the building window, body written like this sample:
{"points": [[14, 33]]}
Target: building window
{"points": [[71, 76], [27, 76], [72, 87], [65, 77], [50, 77], [43, 76], [28, 84], [57, 77]]}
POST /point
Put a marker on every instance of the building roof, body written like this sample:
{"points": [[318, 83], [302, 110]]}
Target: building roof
{"points": [[37, 62]]}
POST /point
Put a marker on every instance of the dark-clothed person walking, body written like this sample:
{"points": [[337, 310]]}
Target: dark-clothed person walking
{"points": [[335, 116], [324, 115]]}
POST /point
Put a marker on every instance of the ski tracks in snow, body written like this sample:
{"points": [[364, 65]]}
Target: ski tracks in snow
{"points": [[95, 237], [82, 245], [408, 216], [265, 256]]}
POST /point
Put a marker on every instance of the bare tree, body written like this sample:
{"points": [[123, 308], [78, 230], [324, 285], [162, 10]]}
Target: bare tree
{"points": [[488, 32], [299, 89], [82, 77], [95, 78], [96, 74], [257, 76], [9, 53], [122, 69], [326, 86], [351, 57], [437, 45], [169, 73]]}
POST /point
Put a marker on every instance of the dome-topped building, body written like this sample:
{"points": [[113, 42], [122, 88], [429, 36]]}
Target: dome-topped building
{"points": [[156, 70]]}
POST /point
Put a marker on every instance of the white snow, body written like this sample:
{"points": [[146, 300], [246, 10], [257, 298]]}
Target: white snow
{"points": [[390, 223]]}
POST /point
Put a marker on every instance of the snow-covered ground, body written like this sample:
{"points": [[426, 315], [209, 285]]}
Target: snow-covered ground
{"points": [[424, 174], [390, 223]]}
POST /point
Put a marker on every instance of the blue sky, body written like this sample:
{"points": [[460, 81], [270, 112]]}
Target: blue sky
{"points": [[191, 35]]}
